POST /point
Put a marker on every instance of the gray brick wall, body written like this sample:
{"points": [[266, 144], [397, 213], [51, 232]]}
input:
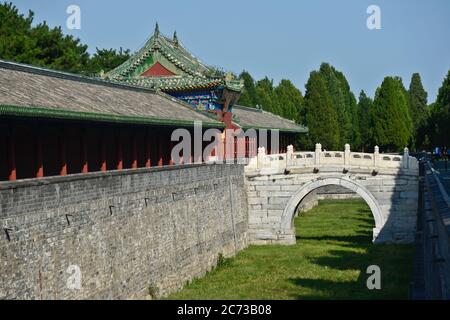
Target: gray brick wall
{"points": [[131, 233]]}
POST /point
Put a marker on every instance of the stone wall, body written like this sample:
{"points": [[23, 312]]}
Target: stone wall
{"points": [[129, 234]]}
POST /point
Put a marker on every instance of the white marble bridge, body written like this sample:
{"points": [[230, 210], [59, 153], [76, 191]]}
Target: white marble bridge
{"points": [[277, 184]]}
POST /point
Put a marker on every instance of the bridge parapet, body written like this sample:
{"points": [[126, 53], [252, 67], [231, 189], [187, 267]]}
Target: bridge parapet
{"points": [[322, 158]]}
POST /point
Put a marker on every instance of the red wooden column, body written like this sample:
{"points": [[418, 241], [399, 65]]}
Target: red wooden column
{"points": [[119, 165], [134, 157], [62, 154], [103, 165], [160, 151], [148, 148], [12, 171], [39, 156], [171, 163], [84, 153]]}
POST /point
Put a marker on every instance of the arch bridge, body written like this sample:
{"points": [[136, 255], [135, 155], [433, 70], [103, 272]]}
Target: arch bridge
{"points": [[277, 186]]}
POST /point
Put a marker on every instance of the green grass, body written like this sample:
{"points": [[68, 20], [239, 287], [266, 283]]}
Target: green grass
{"points": [[329, 261]]}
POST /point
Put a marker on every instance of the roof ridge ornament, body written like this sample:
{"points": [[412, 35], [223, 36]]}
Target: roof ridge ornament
{"points": [[157, 29], [175, 38]]}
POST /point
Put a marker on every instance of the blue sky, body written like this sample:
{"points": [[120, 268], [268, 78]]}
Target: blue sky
{"points": [[280, 39]]}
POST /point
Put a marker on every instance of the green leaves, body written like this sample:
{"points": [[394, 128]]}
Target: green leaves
{"points": [[284, 99], [48, 47], [320, 114], [417, 98], [439, 124], [390, 118], [365, 123]]}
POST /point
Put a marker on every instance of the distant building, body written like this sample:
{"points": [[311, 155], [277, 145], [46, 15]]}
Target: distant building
{"points": [[55, 123]]}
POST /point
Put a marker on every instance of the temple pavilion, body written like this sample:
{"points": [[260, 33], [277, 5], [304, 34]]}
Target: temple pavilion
{"points": [[55, 123]]}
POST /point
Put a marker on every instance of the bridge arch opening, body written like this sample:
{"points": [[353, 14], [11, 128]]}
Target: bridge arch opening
{"points": [[287, 219]]}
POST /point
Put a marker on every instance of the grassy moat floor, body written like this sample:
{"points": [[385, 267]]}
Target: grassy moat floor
{"points": [[329, 261]]}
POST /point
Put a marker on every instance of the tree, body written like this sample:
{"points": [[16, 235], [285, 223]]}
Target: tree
{"points": [[391, 122], [289, 100], [441, 115], [320, 115], [106, 60], [340, 94], [264, 92], [364, 110], [43, 46], [249, 97], [417, 97]]}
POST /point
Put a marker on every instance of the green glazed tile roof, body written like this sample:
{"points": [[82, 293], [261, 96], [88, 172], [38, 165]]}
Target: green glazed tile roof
{"points": [[190, 72]]}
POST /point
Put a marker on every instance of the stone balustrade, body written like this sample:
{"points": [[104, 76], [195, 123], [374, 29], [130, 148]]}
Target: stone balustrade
{"points": [[322, 158]]}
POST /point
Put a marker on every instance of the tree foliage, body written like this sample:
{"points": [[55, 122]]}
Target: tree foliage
{"points": [[364, 110], [43, 46], [439, 124], [320, 115], [390, 119], [419, 110]]}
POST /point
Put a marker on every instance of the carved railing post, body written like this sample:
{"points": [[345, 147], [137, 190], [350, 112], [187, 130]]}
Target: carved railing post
{"points": [[317, 153], [406, 158], [261, 157], [289, 155], [376, 156], [347, 155]]}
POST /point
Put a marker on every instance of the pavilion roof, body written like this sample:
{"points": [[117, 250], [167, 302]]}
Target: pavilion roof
{"points": [[188, 71]]}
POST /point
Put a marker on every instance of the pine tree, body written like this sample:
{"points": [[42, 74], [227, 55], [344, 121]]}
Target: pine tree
{"points": [[264, 92], [442, 114], [341, 97], [320, 115], [364, 111], [249, 97], [106, 60], [43, 46], [391, 122], [289, 100], [417, 98]]}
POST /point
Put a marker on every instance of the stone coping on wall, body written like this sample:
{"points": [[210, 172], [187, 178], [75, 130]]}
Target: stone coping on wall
{"points": [[92, 175]]}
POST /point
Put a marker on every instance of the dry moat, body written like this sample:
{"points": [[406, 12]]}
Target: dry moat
{"points": [[334, 248]]}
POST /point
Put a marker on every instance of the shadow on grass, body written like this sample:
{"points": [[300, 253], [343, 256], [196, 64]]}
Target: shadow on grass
{"points": [[361, 237], [357, 254]]}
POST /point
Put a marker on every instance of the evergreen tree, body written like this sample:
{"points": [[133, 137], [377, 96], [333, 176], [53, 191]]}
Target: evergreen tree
{"points": [[442, 114], [249, 97], [320, 115], [264, 92], [106, 60], [340, 94], [418, 109], [43, 46], [289, 100], [391, 122], [364, 111]]}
